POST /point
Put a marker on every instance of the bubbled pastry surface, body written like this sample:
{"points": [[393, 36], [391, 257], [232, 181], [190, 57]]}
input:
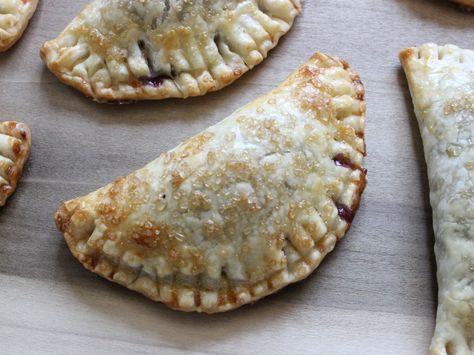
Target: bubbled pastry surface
{"points": [[240, 210]]}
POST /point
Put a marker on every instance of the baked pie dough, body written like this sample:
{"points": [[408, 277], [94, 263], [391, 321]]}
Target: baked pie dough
{"points": [[15, 144], [441, 80], [242, 209], [14, 17], [156, 49]]}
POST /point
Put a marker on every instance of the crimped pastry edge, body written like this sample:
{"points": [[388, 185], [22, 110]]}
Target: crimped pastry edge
{"points": [[22, 132]]}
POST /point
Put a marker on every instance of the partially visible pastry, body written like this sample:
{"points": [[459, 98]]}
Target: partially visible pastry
{"points": [[441, 80], [14, 17], [15, 145], [117, 50]]}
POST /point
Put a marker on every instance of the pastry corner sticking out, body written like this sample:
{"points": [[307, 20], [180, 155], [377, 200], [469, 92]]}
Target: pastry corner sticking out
{"points": [[14, 18], [240, 210], [441, 81], [148, 50], [15, 145]]}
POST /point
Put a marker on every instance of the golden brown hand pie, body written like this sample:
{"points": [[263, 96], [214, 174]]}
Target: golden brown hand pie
{"points": [[14, 17], [156, 49], [441, 80], [15, 144], [241, 210]]}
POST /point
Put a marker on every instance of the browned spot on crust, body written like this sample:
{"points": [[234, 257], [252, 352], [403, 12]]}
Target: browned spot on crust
{"points": [[360, 93], [149, 235], [176, 180], [109, 213], [91, 261], [450, 348], [406, 54], [174, 298], [270, 284], [221, 299], [63, 218], [116, 210], [17, 148], [197, 298], [231, 296], [23, 133], [11, 172]]}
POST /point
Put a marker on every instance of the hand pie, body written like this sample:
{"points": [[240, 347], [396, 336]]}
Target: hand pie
{"points": [[441, 81], [239, 211], [15, 144], [156, 49], [14, 17]]}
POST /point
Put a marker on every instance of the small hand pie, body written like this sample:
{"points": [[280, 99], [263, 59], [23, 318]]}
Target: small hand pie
{"points": [[441, 81], [239, 211], [14, 17], [15, 144], [156, 49]]}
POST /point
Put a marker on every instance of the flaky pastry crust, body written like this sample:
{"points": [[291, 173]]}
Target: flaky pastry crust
{"points": [[118, 50], [14, 18], [441, 80], [15, 145], [239, 211]]}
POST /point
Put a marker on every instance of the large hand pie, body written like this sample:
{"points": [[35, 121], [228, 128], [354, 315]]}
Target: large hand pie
{"points": [[155, 49], [14, 17], [441, 81], [239, 211], [15, 144]]}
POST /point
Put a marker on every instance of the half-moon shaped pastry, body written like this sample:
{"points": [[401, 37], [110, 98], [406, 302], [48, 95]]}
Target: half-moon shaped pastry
{"points": [[14, 17], [441, 80], [239, 211], [156, 49], [15, 145]]}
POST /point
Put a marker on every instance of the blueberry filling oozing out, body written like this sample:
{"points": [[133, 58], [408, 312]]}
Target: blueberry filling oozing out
{"points": [[342, 160], [346, 213], [156, 81]]}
